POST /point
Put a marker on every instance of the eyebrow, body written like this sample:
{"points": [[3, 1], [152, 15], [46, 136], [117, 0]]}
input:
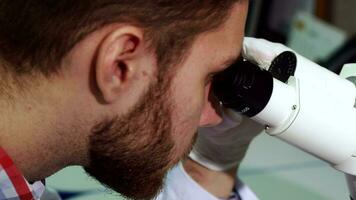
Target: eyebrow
{"points": [[231, 60]]}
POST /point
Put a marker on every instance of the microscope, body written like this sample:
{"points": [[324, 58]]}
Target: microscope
{"points": [[299, 102]]}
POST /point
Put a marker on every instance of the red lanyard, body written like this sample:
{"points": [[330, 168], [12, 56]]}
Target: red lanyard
{"points": [[15, 176]]}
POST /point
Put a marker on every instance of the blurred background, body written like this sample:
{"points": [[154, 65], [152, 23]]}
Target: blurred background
{"points": [[322, 30]]}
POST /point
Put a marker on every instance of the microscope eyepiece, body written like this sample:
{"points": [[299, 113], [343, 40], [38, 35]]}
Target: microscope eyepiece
{"points": [[244, 87]]}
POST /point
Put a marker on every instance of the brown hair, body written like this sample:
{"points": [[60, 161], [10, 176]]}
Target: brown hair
{"points": [[35, 35]]}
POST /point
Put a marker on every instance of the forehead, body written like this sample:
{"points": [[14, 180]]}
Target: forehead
{"points": [[226, 41]]}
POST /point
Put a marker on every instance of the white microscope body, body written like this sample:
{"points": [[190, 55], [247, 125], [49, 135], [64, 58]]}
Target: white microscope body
{"points": [[299, 101], [316, 112]]}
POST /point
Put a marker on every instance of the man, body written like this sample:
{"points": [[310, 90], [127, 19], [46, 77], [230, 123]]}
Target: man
{"points": [[118, 87]]}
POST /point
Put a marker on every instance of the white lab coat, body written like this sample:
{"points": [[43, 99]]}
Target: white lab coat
{"points": [[180, 186]]}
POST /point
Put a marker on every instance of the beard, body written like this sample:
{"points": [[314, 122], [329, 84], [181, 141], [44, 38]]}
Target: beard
{"points": [[132, 154]]}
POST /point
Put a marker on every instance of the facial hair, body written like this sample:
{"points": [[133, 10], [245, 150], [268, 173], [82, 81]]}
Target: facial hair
{"points": [[131, 154]]}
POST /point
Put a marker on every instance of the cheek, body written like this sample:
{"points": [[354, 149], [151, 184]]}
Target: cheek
{"points": [[188, 106]]}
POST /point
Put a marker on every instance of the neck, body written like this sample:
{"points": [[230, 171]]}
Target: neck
{"points": [[35, 136]]}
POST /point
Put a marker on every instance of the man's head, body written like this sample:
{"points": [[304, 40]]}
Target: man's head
{"points": [[123, 84]]}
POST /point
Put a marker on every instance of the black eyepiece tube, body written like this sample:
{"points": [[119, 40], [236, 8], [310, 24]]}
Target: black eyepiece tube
{"points": [[244, 87]]}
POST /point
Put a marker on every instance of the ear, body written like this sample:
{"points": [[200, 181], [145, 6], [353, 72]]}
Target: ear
{"points": [[116, 61]]}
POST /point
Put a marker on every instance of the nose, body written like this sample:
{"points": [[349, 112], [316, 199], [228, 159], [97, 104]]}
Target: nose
{"points": [[211, 113]]}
